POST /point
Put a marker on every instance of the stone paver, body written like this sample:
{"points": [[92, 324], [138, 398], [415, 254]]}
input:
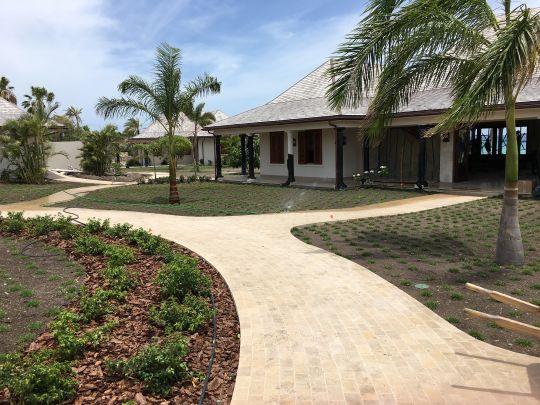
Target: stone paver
{"points": [[317, 328]]}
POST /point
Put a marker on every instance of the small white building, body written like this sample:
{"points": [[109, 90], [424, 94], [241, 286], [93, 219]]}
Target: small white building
{"points": [[303, 140], [205, 140]]}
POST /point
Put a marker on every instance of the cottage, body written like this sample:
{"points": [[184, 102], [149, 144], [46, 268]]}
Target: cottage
{"points": [[304, 141]]}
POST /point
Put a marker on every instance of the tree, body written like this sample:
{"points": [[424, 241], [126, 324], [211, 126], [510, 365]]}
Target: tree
{"points": [[40, 103], [74, 114], [99, 149], [163, 100], [132, 127], [200, 118], [402, 46], [232, 151], [6, 91]]}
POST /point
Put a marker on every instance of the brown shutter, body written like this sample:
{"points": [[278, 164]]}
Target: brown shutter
{"points": [[302, 148], [318, 147], [276, 147]]}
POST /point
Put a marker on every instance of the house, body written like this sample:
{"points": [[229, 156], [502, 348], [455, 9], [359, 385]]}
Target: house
{"points": [[9, 111], [205, 140], [304, 141]]}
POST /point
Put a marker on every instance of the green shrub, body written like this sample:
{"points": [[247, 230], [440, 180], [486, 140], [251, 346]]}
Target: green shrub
{"points": [[35, 379], [118, 231], [182, 276], [42, 225], [13, 223], [96, 305], [91, 245], [187, 316], [145, 241], [159, 367], [119, 255], [66, 228], [96, 226], [119, 279]]}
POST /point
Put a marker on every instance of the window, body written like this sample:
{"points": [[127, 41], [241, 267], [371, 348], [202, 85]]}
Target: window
{"points": [[277, 154], [492, 141], [310, 147]]}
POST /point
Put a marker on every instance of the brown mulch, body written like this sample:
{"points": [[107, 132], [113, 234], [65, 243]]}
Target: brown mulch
{"points": [[134, 330]]}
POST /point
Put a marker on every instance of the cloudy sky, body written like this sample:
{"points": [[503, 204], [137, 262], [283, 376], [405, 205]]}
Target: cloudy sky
{"points": [[82, 49]]}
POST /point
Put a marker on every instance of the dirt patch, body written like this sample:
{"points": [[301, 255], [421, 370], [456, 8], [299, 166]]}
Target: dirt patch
{"points": [[124, 178], [442, 249], [34, 284], [133, 331]]}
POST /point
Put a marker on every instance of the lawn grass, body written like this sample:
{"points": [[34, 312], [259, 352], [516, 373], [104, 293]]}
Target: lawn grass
{"points": [[217, 199], [185, 170], [445, 248], [14, 193]]}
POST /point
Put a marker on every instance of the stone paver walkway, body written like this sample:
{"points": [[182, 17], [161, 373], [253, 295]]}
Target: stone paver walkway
{"points": [[317, 328]]}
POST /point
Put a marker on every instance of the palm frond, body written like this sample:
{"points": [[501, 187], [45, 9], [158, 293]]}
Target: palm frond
{"points": [[202, 86], [118, 107]]}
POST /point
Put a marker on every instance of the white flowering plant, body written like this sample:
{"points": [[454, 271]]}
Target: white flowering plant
{"points": [[367, 177]]}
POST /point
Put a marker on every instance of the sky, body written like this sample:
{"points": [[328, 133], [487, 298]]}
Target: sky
{"points": [[82, 49]]}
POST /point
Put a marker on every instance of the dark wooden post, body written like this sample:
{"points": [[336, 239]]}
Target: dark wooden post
{"points": [[251, 157], [340, 139], [366, 154], [421, 181], [243, 153], [290, 158], [217, 145]]}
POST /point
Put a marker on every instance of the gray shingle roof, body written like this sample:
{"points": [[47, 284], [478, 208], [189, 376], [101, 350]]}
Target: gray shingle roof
{"points": [[155, 130], [306, 100], [9, 111]]}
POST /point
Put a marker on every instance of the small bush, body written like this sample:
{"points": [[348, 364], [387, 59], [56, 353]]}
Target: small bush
{"points": [[13, 223], [181, 277], [187, 316], [118, 231], [431, 305], [119, 255], [477, 335], [119, 279], [145, 241], [90, 245], [42, 225], [95, 306], [36, 379], [65, 329], [159, 367], [96, 226]]}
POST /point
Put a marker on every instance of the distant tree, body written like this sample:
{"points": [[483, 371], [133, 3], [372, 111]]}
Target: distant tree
{"points": [[6, 91], [74, 114], [232, 152], [132, 127], [163, 101], [99, 150], [40, 102], [200, 119]]}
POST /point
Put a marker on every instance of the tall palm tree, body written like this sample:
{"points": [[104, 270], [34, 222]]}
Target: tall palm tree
{"points": [[132, 127], [402, 46], [6, 91], [74, 114], [200, 119], [40, 103], [163, 100]]}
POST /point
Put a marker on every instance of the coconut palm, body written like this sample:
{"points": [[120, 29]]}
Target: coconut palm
{"points": [[163, 100], [40, 103], [132, 127], [200, 119], [402, 46], [74, 114], [6, 91]]}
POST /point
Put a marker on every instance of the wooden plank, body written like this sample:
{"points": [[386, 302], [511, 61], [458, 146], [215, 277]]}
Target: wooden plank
{"points": [[506, 323], [505, 299]]}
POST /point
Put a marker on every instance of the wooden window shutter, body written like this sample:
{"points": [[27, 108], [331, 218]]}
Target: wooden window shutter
{"points": [[302, 148], [277, 148]]}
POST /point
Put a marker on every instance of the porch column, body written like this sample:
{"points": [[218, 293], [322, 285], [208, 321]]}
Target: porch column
{"points": [[290, 158], [421, 181], [340, 139], [366, 154], [251, 157], [243, 153], [217, 145]]}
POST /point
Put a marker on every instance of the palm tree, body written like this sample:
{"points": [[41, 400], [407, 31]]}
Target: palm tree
{"points": [[40, 103], [163, 100], [6, 91], [402, 46], [132, 127], [74, 114], [200, 119]]}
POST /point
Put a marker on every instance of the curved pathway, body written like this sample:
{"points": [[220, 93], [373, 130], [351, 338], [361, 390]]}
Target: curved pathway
{"points": [[318, 328]]}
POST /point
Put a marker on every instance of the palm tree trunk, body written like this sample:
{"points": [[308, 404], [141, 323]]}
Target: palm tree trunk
{"points": [[509, 242], [195, 151], [174, 197]]}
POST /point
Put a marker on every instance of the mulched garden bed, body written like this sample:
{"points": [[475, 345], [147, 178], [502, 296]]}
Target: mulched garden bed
{"points": [[133, 331], [443, 249]]}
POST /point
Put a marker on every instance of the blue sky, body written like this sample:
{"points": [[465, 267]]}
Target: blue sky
{"points": [[82, 49]]}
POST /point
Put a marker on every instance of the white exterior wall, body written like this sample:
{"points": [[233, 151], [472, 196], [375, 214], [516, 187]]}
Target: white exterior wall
{"points": [[65, 155], [446, 174], [353, 158], [206, 149]]}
